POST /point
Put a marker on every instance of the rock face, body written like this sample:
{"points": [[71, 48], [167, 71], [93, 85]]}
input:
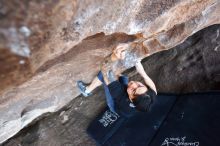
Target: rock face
{"points": [[68, 40], [14, 69], [192, 66]]}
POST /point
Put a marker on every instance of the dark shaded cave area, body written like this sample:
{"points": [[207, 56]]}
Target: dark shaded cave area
{"points": [[192, 66]]}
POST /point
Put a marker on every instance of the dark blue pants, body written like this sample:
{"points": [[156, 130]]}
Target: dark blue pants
{"points": [[109, 98]]}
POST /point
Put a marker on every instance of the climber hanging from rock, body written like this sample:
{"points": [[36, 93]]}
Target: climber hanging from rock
{"points": [[122, 96]]}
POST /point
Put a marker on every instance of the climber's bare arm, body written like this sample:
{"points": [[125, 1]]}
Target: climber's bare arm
{"points": [[106, 68], [109, 73], [146, 78]]}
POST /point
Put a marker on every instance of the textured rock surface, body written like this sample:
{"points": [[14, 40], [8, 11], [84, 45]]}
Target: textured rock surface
{"points": [[14, 69], [67, 44], [167, 23], [192, 66]]}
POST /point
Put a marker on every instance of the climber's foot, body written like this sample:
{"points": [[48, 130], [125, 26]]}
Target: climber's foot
{"points": [[82, 88]]}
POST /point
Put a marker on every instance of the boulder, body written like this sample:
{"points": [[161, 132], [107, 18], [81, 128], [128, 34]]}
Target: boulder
{"points": [[68, 40]]}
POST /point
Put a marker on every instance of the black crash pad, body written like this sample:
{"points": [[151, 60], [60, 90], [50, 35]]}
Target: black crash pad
{"points": [[111, 129], [194, 120], [174, 120]]}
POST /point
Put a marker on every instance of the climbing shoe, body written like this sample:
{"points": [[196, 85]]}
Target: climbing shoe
{"points": [[82, 88]]}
